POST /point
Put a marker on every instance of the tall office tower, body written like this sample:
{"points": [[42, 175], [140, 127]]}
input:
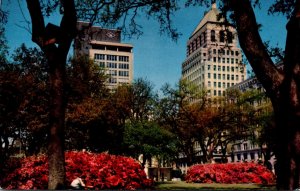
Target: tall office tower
{"points": [[213, 57], [105, 48]]}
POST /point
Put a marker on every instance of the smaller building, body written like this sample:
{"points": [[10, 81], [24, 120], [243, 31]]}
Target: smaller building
{"points": [[105, 48]]}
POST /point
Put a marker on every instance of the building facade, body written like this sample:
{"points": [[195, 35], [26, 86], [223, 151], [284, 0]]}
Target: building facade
{"points": [[105, 48], [213, 58]]}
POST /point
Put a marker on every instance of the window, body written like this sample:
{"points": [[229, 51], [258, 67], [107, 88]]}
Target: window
{"points": [[228, 77], [123, 66], [228, 69], [215, 76], [200, 40], [236, 61], [229, 37], [99, 56], [232, 60], [222, 36], [215, 67], [227, 60], [112, 72], [124, 58], [242, 77], [236, 77], [223, 76], [223, 68], [111, 65], [219, 68], [219, 93], [232, 69], [208, 75], [245, 146], [215, 92], [214, 51], [208, 67], [215, 84], [224, 85], [219, 76], [232, 77], [228, 85], [123, 73], [112, 80], [112, 57], [223, 60], [212, 35], [219, 84], [102, 64], [215, 59], [209, 84]]}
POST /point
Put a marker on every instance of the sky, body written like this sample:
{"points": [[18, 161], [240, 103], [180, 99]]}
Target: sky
{"points": [[156, 57]]}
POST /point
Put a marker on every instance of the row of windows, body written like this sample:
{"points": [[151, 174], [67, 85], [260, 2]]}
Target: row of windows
{"points": [[216, 93], [121, 73], [219, 84], [114, 65], [228, 52], [223, 35], [215, 67], [224, 77], [224, 68], [201, 39], [228, 60], [111, 57]]}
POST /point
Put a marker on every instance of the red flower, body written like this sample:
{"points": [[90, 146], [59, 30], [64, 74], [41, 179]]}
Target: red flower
{"points": [[102, 171], [230, 173]]}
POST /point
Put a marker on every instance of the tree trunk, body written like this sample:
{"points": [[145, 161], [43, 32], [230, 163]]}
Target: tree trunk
{"points": [[57, 116], [281, 87], [55, 41], [287, 110]]}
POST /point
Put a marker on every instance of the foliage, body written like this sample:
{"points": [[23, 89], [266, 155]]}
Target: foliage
{"points": [[230, 173], [102, 171], [149, 139]]}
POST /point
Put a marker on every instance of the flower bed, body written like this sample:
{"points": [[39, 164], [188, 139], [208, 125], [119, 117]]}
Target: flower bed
{"points": [[230, 173], [102, 171]]}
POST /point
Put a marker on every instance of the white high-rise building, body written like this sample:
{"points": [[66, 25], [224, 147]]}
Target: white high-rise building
{"points": [[105, 48], [214, 60]]}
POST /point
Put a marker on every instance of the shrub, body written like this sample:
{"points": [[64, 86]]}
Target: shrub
{"points": [[102, 171], [230, 173]]}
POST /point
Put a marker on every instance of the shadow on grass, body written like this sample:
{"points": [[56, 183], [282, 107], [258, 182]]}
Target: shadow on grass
{"points": [[181, 185]]}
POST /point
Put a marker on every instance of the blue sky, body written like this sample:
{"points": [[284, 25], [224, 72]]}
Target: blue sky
{"points": [[156, 57]]}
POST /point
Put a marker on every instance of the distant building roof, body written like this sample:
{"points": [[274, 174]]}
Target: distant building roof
{"points": [[210, 16]]}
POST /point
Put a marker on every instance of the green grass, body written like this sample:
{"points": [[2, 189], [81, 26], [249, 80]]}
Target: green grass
{"points": [[181, 185]]}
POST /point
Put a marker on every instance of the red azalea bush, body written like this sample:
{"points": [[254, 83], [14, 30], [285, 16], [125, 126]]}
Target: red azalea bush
{"points": [[102, 171], [230, 173]]}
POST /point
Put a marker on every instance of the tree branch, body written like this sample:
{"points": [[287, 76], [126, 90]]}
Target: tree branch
{"points": [[37, 20], [253, 47]]}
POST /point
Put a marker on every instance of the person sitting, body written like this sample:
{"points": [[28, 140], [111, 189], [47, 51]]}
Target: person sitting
{"points": [[78, 184]]}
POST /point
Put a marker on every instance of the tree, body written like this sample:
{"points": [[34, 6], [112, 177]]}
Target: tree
{"points": [[282, 87], [176, 113], [150, 140], [55, 42]]}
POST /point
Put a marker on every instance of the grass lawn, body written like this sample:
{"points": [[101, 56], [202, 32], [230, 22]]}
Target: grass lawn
{"points": [[181, 185]]}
